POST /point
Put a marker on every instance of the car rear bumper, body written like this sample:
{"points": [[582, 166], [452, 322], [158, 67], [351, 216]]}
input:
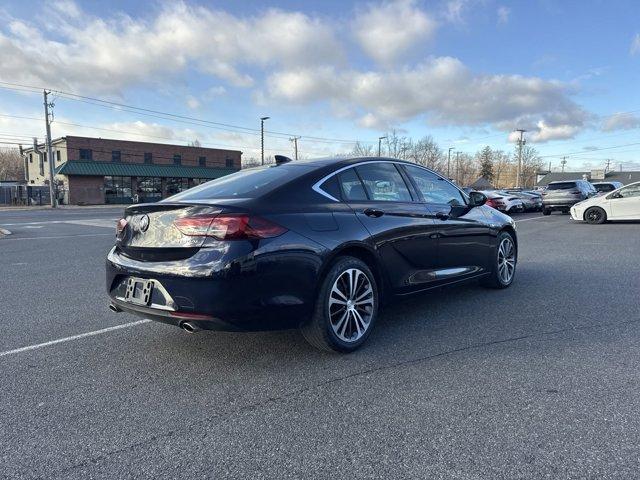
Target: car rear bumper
{"points": [[563, 204], [264, 290]]}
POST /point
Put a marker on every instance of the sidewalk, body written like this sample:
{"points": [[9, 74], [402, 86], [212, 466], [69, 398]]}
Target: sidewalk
{"points": [[61, 207]]}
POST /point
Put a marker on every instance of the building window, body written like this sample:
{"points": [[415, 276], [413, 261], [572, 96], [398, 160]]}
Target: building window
{"points": [[229, 162], [149, 189], [86, 154], [44, 157], [177, 159], [117, 190], [115, 156], [202, 161], [177, 185], [58, 156], [148, 157], [31, 158]]}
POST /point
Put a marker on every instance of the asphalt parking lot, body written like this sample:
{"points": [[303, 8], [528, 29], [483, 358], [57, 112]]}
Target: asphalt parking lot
{"points": [[537, 381]]}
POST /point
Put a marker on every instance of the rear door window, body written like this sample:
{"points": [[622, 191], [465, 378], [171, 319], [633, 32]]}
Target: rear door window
{"points": [[562, 186], [383, 182], [351, 187]]}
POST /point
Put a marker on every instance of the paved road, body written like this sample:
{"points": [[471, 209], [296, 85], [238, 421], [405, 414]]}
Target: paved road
{"points": [[538, 381]]}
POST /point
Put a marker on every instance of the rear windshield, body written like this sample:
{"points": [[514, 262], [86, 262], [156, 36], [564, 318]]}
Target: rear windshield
{"points": [[249, 183], [562, 186], [605, 187]]}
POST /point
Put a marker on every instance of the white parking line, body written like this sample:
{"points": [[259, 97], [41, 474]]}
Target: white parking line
{"points": [[61, 236], [73, 337], [527, 219]]}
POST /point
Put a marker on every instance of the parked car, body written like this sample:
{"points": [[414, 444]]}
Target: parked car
{"points": [[621, 204], [316, 244], [503, 201], [563, 195], [605, 187], [531, 201]]}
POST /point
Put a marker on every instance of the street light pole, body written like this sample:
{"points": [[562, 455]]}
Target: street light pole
{"points": [[458, 168], [449, 163], [262, 119], [380, 144]]}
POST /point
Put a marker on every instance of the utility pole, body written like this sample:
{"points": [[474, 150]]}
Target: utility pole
{"points": [[449, 163], [262, 119], [521, 143], [380, 144], [458, 168], [47, 119], [606, 168], [549, 166], [295, 145], [563, 162]]}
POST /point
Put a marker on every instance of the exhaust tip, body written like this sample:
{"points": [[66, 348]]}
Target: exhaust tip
{"points": [[189, 327], [114, 308]]}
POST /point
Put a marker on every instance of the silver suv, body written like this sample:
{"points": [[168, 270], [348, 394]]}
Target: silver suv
{"points": [[563, 195]]}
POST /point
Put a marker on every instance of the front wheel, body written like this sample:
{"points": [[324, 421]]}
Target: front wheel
{"points": [[504, 263], [346, 307], [595, 216], [546, 211]]}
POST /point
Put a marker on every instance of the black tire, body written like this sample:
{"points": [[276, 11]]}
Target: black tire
{"points": [[319, 329], [546, 211], [595, 216], [495, 279]]}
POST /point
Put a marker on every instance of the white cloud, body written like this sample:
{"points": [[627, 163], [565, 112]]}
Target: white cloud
{"points": [[621, 121], [635, 45], [544, 132], [107, 55], [192, 102], [454, 10], [442, 90], [387, 31], [503, 15]]}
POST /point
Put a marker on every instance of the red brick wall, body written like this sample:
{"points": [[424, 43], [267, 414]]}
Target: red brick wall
{"points": [[133, 152], [86, 190]]}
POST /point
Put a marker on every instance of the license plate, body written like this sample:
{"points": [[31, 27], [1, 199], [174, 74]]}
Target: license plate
{"points": [[139, 291]]}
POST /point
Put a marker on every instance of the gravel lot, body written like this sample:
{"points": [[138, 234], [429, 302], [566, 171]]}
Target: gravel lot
{"points": [[537, 381]]}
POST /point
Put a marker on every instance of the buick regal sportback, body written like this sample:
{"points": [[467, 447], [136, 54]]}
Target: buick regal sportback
{"points": [[316, 244]]}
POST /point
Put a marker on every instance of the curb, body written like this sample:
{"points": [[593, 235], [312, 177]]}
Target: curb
{"points": [[4, 232]]}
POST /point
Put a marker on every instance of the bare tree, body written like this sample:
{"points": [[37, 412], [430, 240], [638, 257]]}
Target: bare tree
{"points": [[11, 164], [426, 152], [531, 164], [361, 150], [501, 166]]}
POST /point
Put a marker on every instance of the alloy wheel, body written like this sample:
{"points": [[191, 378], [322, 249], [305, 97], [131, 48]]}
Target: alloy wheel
{"points": [[351, 305], [506, 260], [594, 215]]}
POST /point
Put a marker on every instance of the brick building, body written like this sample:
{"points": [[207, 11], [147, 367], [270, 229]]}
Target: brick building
{"points": [[97, 170]]}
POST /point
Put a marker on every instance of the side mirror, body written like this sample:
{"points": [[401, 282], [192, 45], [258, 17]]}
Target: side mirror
{"points": [[477, 199]]}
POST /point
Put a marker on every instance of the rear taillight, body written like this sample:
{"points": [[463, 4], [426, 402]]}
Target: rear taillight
{"points": [[228, 227], [120, 226]]}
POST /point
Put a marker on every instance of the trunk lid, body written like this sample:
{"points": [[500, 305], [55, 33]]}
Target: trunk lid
{"points": [[150, 226]]}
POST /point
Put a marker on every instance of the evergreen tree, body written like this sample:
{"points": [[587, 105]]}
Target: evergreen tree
{"points": [[486, 163]]}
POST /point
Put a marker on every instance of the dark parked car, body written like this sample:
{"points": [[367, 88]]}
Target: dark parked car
{"points": [[532, 202], [563, 195], [316, 244]]}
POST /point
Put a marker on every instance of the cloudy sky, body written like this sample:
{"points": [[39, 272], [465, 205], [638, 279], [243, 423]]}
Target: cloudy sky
{"points": [[467, 72]]}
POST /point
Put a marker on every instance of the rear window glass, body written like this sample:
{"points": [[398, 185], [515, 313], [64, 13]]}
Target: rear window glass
{"points": [[605, 187], [249, 183], [562, 186]]}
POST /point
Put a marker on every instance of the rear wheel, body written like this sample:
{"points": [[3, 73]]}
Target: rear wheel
{"points": [[346, 307], [504, 263], [595, 216], [546, 211]]}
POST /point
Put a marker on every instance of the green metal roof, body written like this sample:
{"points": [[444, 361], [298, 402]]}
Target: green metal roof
{"points": [[140, 170]]}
